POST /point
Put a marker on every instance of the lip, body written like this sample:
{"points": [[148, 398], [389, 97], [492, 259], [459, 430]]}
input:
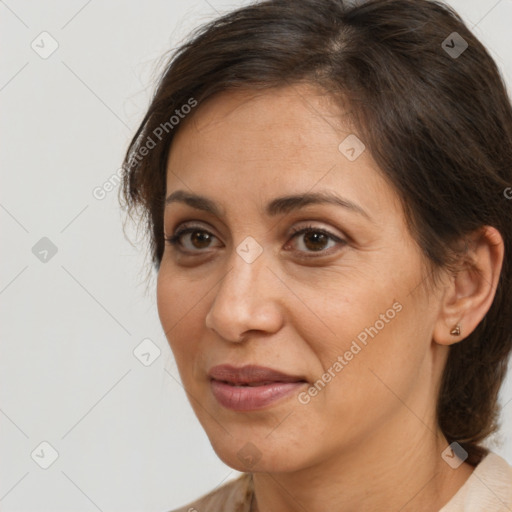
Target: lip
{"points": [[251, 387]]}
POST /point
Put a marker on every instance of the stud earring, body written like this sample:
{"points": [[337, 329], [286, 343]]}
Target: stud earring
{"points": [[456, 330]]}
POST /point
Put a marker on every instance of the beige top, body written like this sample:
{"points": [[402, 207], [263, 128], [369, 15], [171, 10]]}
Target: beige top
{"points": [[488, 489]]}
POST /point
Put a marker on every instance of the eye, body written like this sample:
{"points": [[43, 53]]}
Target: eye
{"points": [[199, 239], [311, 239], [314, 239]]}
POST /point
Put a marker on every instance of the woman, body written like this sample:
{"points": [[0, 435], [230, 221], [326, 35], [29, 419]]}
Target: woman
{"points": [[324, 186]]}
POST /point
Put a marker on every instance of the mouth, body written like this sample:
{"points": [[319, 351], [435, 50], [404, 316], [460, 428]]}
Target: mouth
{"points": [[250, 375], [250, 384], [251, 387]]}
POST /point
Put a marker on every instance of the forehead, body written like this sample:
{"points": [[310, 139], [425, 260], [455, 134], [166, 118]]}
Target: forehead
{"points": [[276, 115], [273, 142]]}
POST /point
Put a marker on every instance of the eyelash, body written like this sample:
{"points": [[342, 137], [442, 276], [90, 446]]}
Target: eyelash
{"points": [[174, 240]]}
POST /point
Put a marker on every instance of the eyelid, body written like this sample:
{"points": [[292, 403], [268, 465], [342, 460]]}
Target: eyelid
{"points": [[294, 232], [310, 227], [297, 231], [183, 229]]}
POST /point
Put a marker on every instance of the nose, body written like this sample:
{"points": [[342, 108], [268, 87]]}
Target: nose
{"points": [[247, 299]]}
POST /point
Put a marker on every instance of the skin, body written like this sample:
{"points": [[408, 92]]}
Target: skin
{"points": [[369, 440]]}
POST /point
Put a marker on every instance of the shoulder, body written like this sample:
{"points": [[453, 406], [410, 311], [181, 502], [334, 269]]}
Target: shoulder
{"points": [[234, 496], [488, 488]]}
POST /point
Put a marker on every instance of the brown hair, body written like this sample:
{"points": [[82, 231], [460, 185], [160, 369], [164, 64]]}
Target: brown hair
{"points": [[438, 124]]}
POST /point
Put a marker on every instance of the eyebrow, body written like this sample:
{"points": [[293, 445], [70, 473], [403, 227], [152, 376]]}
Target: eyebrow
{"points": [[278, 206]]}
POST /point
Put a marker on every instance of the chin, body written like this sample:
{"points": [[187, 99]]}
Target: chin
{"points": [[255, 454]]}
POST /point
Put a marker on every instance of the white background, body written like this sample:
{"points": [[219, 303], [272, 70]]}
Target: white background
{"points": [[125, 433]]}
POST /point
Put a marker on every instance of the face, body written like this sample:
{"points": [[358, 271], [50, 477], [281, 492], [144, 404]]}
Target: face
{"points": [[329, 294]]}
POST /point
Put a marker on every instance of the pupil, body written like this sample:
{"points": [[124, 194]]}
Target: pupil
{"points": [[316, 237], [201, 238]]}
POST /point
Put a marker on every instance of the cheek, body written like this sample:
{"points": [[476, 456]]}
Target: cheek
{"points": [[360, 390], [178, 326], [177, 297], [179, 309], [166, 302], [368, 329]]}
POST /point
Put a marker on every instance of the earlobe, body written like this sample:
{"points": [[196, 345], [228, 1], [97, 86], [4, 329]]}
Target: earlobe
{"points": [[470, 291]]}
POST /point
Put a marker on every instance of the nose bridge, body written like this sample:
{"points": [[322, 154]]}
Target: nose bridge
{"points": [[240, 286], [247, 266], [242, 299]]}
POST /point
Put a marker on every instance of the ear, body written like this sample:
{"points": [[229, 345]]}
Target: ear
{"points": [[469, 292]]}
